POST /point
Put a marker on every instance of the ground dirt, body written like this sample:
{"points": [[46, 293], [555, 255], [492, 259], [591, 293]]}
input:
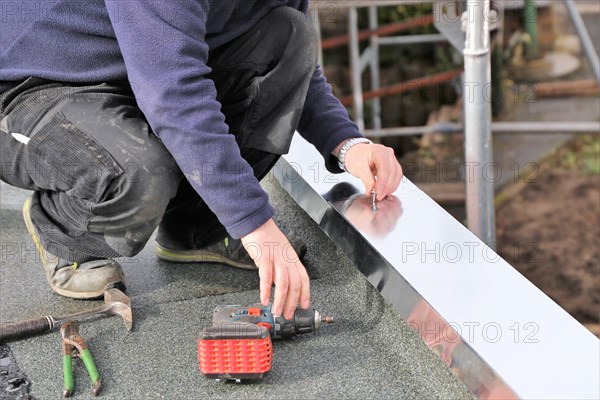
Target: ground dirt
{"points": [[548, 228]]}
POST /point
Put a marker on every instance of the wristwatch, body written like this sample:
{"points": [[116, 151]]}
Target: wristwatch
{"points": [[346, 146]]}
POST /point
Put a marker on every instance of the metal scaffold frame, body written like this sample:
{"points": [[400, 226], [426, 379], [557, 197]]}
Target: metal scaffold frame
{"points": [[478, 121], [477, 125]]}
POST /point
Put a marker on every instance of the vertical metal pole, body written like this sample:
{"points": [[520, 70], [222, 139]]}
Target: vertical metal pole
{"points": [[375, 79], [498, 61], [317, 25], [478, 119], [531, 27], [355, 69], [584, 36]]}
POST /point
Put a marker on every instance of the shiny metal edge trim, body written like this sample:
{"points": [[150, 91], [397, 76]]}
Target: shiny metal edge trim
{"points": [[474, 369], [384, 277]]}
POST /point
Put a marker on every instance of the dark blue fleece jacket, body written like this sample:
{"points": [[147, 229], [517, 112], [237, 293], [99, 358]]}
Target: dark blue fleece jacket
{"points": [[161, 47]]}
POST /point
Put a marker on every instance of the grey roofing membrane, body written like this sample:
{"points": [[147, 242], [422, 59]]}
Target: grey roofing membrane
{"points": [[369, 352]]}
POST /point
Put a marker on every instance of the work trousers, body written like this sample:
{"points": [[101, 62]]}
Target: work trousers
{"points": [[103, 181]]}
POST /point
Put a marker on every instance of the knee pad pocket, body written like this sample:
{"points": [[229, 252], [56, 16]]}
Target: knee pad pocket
{"points": [[62, 157]]}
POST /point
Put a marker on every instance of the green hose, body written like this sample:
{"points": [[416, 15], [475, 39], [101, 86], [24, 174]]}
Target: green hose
{"points": [[531, 26]]}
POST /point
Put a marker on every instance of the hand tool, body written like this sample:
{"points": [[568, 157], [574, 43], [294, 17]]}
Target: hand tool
{"points": [[115, 302], [238, 344], [75, 346]]}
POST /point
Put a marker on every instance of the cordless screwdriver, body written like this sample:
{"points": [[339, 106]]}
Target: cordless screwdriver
{"points": [[238, 344]]}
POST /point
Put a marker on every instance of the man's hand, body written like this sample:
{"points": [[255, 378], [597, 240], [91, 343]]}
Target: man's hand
{"points": [[278, 263], [367, 161]]}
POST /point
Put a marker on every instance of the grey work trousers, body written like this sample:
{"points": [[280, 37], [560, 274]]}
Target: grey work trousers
{"points": [[103, 181]]}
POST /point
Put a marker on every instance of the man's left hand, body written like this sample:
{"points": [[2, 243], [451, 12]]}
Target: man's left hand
{"points": [[367, 161]]}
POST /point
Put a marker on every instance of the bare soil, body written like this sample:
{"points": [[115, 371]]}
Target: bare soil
{"points": [[548, 228]]}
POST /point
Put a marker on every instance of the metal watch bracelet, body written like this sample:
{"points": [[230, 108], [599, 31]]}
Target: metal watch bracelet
{"points": [[345, 147]]}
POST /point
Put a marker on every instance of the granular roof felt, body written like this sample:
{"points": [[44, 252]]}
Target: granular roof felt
{"points": [[369, 352]]}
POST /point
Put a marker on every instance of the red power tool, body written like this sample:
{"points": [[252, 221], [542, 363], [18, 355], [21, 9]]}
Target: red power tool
{"points": [[238, 345]]}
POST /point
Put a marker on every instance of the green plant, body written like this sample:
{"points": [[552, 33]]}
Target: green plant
{"points": [[581, 154]]}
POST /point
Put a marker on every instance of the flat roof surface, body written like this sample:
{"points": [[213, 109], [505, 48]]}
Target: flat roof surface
{"points": [[369, 352]]}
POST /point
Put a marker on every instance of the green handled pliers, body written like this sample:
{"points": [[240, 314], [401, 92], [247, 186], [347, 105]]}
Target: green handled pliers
{"points": [[75, 346]]}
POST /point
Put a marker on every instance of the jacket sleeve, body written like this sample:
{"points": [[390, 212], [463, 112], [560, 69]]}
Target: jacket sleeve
{"points": [[165, 53], [325, 122]]}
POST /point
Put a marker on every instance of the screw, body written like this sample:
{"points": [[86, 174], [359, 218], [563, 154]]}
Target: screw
{"points": [[374, 199]]}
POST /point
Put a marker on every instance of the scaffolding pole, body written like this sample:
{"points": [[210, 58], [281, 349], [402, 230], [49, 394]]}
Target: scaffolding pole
{"points": [[586, 41], [355, 69], [477, 121], [374, 66], [317, 24], [497, 127]]}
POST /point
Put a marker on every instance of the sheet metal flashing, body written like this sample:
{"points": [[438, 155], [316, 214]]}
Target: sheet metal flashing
{"points": [[498, 333]]}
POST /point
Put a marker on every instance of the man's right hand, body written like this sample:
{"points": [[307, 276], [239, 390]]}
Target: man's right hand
{"points": [[278, 263]]}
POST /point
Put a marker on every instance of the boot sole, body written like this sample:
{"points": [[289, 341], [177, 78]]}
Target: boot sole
{"points": [[198, 256], [40, 249]]}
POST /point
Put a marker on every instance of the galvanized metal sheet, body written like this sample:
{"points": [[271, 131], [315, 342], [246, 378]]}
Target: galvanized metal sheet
{"points": [[497, 332]]}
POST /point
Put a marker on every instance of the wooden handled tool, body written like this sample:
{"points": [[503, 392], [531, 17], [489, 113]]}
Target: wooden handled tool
{"points": [[115, 302]]}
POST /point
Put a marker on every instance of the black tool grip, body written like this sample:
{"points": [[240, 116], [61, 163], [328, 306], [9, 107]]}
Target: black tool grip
{"points": [[22, 329]]}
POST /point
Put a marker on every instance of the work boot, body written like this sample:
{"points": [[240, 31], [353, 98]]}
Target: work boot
{"points": [[86, 280], [228, 251]]}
